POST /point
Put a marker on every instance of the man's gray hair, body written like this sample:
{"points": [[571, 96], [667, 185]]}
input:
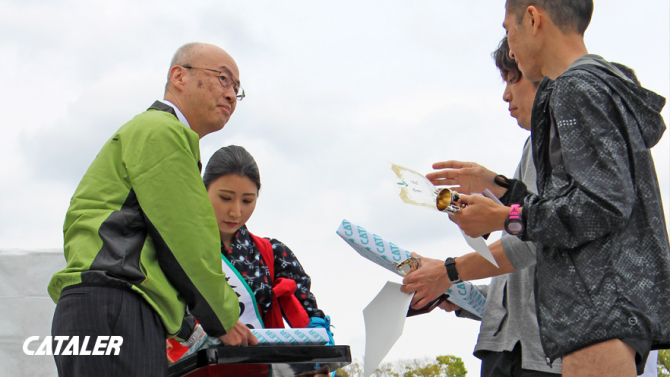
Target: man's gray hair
{"points": [[181, 57], [183, 54]]}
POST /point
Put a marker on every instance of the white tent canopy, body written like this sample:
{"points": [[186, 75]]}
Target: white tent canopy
{"points": [[27, 309]]}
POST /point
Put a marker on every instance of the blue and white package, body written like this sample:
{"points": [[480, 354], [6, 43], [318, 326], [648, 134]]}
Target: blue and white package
{"points": [[385, 254]]}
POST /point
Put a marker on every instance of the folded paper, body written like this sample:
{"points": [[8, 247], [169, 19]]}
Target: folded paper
{"points": [[384, 323], [479, 245]]}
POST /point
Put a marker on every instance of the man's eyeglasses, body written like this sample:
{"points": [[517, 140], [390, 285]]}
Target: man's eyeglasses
{"points": [[225, 81]]}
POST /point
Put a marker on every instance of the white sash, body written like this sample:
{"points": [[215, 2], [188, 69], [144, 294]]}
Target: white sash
{"points": [[249, 314]]}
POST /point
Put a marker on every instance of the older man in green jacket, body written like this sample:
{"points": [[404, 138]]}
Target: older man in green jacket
{"points": [[141, 240]]}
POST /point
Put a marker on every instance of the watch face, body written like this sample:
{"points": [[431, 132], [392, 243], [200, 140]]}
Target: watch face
{"points": [[514, 227]]}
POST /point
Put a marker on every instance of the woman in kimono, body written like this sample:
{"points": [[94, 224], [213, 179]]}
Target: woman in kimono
{"points": [[270, 282]]}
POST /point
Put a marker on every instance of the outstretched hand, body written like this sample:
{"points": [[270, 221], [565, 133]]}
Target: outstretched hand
{"points": [[240, 335], [428, 282], [465, 177], [479, 215]]}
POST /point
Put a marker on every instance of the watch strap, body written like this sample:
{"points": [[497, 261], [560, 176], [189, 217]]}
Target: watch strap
{"points": [[452, 273]]}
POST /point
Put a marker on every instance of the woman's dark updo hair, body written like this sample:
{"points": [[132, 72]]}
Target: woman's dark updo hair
{"points": [[232, 159]]}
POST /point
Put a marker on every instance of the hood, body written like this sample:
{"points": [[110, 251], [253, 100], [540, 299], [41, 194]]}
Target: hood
{"points": [[645, 105]]}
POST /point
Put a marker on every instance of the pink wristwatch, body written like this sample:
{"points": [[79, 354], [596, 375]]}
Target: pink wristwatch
{"points": [[514, 224]]}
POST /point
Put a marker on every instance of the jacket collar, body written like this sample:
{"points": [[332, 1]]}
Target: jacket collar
{"points": [[160, 106]]}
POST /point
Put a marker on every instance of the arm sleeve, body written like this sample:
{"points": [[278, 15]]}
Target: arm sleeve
{"points": [[162, 164], [288, 266], [592, 192], [483, 289], [520, 253]]}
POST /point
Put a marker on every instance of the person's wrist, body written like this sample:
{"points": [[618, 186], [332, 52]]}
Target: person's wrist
{"points": [[502, 214], [498, 184], [444, 281], [498, 191], [489, 179], [441, 277]]}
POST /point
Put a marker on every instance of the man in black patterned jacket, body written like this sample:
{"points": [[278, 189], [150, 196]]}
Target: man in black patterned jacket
{"points": [[603, 257]]}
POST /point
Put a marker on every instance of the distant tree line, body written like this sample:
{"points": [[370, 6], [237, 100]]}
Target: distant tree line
{"points": [[448, 366], [442, 366]]}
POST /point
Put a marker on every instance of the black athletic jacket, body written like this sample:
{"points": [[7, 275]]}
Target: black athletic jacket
{"points": [[603, 258]]}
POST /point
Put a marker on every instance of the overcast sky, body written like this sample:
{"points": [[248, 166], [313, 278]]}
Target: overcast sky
{"points": [[335, 91]]}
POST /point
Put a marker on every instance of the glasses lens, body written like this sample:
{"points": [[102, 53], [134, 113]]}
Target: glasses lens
{"points": [[224, 80], [240, 93]]}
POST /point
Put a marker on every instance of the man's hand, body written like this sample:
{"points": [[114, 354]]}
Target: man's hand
{"points": [[429, 282], [240, 335], [448, 306], [465, 177], [480, 215]]}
